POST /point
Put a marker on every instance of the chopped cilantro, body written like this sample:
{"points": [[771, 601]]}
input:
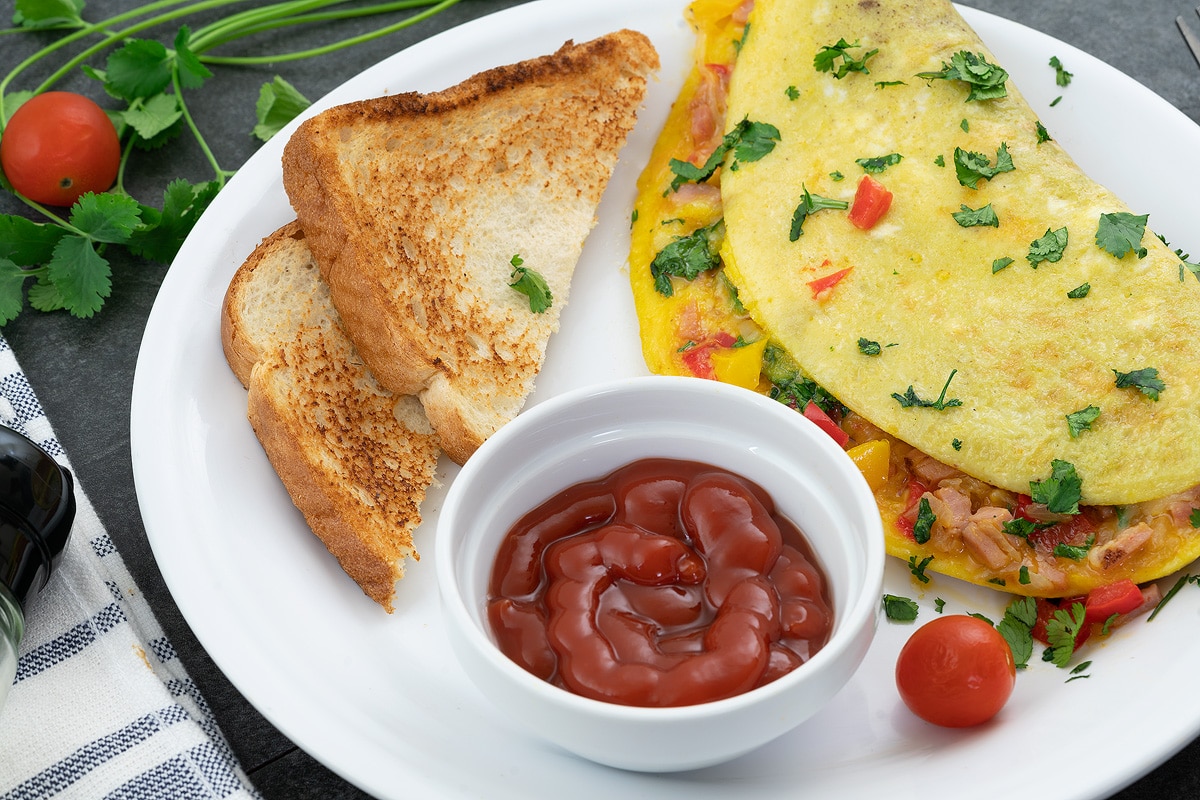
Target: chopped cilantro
{"points": [[1194, 518], [1000, 263], [1081, 420], [939, 604], [738, 44], [899, 609], [792, 92], [918, 568], [837, 176], [1121, 233], [633, 218], [1019, 526], [975, 217], [1023, 575], [986, 81], [687, 257], [1077, 673], [998, 582], [940, 160], [748, 140], [1056, 101], [971, 167], [1061, 491], [1075, 552], [923, 526], [878, 163], [824, 60], [530, 284], [956, 443], [910, 399], [1081, 291], [1049, 247], [966, 126], [1017, 628], [1144, 380], [1062, 629], [1043, 135], [885, 84], [1061, 76], [809, 204], [868, 347]]}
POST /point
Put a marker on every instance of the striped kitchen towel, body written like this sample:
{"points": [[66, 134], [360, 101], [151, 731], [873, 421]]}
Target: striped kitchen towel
{"points": [[101, 706]]}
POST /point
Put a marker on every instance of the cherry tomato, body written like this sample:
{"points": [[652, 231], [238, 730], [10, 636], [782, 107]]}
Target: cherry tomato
{"points": [[955, 671], [58, 146]]}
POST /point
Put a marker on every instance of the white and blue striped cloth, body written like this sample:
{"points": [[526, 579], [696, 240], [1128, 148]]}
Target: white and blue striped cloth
{"points": [[101, 706]]}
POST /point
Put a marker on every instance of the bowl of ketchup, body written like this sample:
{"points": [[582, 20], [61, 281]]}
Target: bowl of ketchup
{"points": [[659, 573]]}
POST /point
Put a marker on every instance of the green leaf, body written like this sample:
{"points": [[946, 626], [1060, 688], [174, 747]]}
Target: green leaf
{"points": [[1121, 233], [1145, 380], [533, 286], [278, 104], [12, 290], [1075, 552], [26, 242], [687, 256], [809, 204], [986, 81], [162, 232], [924, 523], [192, 73], [918, 568], [976, 217], [1060, 492], [971, 167], [48, 13], [106, 217], [826, 57], [759, 139], [1043, 135], [878, 163], [153, 116], [1000, 263], [80, 275], [1061, 76], [899, 609], [910, 399], [869, 347], [1081, 420], [1048, 248], [142, 68], [1017, 629], [1062, 629], [1081, 291], [44, 296]]}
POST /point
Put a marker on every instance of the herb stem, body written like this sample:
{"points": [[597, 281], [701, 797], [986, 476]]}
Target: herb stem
{"points": [[286, 14], [221, 174]]}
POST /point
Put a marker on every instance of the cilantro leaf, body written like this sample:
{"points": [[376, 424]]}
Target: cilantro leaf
{"points": [[162, 232], [899, 609], [750, 141], [918, 569], [1061, 76], [687, 256], [868, 347], [106, 217], [923, 526], [141, 68], [27, 242], [278, 104], [878, 164], [975, 217], [1081, 291], [532, 285], [34, 14], [1048, 248], [1081, 420], [1062, 629], [986, 81], [192, 73], [825, 58], [1060, 492], [1000, 263], [81, 277], [1043, 135], [153, 116], [971, 167], [1017, 629], [811, 203], [910, 399], [1121, 233], [12, 294], [1075, 552], [1145, 380]]}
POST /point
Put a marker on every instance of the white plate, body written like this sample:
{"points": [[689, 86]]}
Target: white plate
{"points": [[380, 699]]}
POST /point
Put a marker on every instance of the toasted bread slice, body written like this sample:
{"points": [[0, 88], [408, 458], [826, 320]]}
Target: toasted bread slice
{"points": [[415, 204], [355, 458]]}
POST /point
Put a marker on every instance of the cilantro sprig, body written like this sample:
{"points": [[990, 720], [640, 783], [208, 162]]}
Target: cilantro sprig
{"points": [[748, 140], [63, 257], [827, 58], [971, 167], [687, 256], [910, 399], [985, 81], [531, 284], [809, 204]]}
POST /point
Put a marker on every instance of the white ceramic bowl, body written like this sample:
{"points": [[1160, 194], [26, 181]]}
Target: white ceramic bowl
{"points": [[587, 434]]}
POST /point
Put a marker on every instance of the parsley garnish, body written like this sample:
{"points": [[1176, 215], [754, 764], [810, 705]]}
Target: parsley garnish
{"points": [[1081, 420], [1073, 551], [885, 84], [918, 569], [748, 140], [974, 217], [986, 80], [868, 347], [910, 399], [1145, 380], [1061, 76], [966, 126], [1056, 101], [1023, 575], [837, 176], [792, 92], [1060, 492], [1080, 291], [1043, 135], [1062, 629], [878, 163], [1049, 247], [923, 526], [956, 443], [1121, 233], [939, 604], [530, 284], [1019, 526], [687, 257], [899, 609], [809, 204], [824, 60], [971, 167], [1000, 263], [1017, 627]]}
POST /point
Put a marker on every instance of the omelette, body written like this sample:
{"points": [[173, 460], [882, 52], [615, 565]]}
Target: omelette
{"points": [[852, 209]]}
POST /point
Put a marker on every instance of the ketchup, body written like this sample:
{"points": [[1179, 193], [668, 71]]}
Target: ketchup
{"points": [[664, 583]]}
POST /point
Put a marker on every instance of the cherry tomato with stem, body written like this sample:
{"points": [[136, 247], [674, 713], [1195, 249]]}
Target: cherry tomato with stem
{"points": [[956, 671], [57, 146]]}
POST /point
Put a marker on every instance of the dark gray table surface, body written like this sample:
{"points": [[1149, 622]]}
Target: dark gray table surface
{"points": [[83, 369]]}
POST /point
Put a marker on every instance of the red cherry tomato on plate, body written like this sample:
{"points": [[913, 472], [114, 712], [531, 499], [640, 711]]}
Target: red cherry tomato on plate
{"points": [[58, 146], [955, 671]]}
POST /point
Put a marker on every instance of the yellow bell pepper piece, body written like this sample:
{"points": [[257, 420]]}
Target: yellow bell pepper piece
{"points": [[740, 366], [872, 459]]}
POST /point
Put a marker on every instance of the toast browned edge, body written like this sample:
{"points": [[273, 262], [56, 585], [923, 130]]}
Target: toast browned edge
{"points": [[404, 357], [370, 538]]}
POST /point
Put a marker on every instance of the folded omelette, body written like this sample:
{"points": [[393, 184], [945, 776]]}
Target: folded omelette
{"points": [[852, 207]]}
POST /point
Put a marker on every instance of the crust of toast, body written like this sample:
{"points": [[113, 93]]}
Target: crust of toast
{"points": [[414, 205], [355, 458]]}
